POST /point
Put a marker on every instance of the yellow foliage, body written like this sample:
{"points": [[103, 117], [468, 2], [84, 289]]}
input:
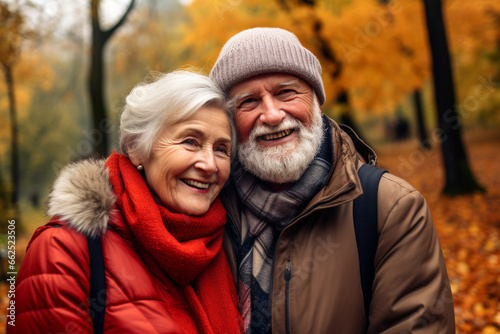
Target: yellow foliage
{"points": [[381, 49], [363, 37], [23, 101], [30, 72], [11, 30], [34, 71], [472, 25], [212, 23]]}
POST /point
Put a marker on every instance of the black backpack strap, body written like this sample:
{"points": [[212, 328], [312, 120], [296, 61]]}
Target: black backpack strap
{"points": [[97, 296], [365, 227]]}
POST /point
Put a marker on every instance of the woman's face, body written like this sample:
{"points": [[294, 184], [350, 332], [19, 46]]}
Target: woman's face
{"points": [[190, 162]]}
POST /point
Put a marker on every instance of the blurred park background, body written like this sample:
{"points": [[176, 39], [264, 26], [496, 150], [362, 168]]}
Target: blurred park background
{"points": [[418, 79]]}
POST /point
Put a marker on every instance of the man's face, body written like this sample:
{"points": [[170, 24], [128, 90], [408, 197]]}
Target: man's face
{"points": [[279, 126]]}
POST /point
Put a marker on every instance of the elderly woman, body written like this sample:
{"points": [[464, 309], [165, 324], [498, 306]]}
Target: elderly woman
{"points": [[160, 223]]}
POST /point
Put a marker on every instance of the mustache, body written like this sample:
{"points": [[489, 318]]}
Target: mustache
{"points": [[264, 129]]}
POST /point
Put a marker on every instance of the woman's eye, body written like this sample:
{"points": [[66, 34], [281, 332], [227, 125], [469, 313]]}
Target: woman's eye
{"points": [[190, 142], [222, 149]]}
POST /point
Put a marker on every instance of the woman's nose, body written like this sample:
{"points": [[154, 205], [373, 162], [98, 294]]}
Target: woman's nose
{"points": [[206, 161]]}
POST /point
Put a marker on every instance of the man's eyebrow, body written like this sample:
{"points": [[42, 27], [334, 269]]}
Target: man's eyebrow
{"points": [[241, 96]]}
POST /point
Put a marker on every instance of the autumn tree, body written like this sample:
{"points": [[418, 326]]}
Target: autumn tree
{"points": [[371, 52], [328, 55], [149, 42], [96, 76], [420, 118], [473, 33], [4, 203], [12, 32], [459, 177]]}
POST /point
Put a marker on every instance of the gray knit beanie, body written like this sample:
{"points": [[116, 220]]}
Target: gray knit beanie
{"points": [[266, 50]]}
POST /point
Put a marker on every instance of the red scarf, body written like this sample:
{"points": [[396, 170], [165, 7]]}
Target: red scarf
{"points": [[189, 249]]}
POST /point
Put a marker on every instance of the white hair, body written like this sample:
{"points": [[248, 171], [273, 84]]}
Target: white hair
{"points": [[169, 99]]}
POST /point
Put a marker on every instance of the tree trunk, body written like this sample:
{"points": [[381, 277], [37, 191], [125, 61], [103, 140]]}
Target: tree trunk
{"points": [[100, 122], [96, 89], [421, 128], [9, 79], [459, 177]]}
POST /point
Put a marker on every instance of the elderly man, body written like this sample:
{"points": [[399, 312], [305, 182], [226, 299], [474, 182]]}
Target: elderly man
{"points": [[291, 236]]}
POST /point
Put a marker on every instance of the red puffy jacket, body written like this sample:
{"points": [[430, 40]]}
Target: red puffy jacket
{"points": [[52, 287]]}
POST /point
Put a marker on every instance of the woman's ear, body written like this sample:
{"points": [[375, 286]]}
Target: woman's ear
{"points": [[136, 161]]}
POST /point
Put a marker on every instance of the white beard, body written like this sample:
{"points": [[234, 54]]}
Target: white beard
{"points": [[283, 163]]}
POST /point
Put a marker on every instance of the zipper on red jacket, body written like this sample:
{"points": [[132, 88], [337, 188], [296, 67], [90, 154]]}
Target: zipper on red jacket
{"points": [[287, 276]]}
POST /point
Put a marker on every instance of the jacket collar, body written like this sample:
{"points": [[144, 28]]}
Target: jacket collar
{"points": [[343, 184], [83, 197]]}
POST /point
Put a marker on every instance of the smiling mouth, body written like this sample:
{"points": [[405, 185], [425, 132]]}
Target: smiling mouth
{"points": [[276, 135], [196, 184]]}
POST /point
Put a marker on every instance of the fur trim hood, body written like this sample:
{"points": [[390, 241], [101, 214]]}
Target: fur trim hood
{"points": [[83, 197]]}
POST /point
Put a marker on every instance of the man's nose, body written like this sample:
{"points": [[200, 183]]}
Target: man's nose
{"points": [[271, 114]]}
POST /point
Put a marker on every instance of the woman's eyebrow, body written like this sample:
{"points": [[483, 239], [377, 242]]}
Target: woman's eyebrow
{"points": [[202, 134], [195, 131]]}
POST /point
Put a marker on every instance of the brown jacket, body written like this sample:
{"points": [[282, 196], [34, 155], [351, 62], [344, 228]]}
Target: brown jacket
{"points": [[411, 292]]}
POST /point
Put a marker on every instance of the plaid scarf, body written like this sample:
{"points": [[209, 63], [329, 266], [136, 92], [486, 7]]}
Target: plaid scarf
{"points": [[264, 215]]}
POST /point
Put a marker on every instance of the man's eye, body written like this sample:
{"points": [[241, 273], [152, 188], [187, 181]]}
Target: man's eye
{"points": [[247, 102], [286, 91]]}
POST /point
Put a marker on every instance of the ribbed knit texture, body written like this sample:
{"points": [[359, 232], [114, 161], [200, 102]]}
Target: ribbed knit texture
{"points": [[266, 50], [189, 249]]}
